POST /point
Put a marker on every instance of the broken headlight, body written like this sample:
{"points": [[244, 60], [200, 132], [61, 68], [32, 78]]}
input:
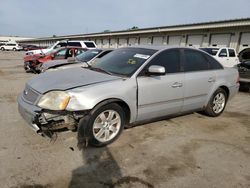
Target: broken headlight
{"points": [[54, 100]]}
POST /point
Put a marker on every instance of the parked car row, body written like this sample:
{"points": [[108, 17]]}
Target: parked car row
{"points": [[32, 63], [103, 91]]}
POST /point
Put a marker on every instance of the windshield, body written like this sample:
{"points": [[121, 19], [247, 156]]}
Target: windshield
{"points": [[124, 61], [211, 51], [49, 47], [50, 51], [88, 55]]}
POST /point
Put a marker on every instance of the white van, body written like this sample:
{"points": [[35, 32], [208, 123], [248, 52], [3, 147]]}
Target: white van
{"points": [[58, 44], [11, 46], [226, 56]]}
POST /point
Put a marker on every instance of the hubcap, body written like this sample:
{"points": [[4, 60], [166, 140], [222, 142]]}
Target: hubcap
{"points": [[106, 125], [219, 102]]}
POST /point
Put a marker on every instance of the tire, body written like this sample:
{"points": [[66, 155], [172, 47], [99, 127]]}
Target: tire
{"points": [[14, 49], [2, 49], [97, 127], [217, 103]]}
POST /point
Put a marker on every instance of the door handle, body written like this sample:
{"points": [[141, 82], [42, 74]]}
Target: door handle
{"points": [[211, 80], [176, 84]]}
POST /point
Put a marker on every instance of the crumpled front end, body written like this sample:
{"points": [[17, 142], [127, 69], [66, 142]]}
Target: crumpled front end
{"points": [[40, 120]]}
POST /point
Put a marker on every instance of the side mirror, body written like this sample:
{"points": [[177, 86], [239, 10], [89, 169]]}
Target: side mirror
{"points": [[223, 55], [156, 70]]}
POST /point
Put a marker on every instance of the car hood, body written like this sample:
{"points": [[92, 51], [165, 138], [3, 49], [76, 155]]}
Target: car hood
{"points": [[68, 78], [32, 57], [56, 63]]}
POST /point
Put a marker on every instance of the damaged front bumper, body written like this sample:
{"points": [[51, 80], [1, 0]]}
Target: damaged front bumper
{"points": [[44, 122]]}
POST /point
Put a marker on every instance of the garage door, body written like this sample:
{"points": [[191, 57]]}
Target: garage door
{"points": [[98, 43], [157, 41], [244, 41], [123, 42], [113, 43], [132, 41], [145, 40], [220, 40], [174, 40], [105, 43], [195, 40]]}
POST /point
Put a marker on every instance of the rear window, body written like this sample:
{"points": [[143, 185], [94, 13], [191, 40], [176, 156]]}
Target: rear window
{"points": [[89, 44], [231, 53]]}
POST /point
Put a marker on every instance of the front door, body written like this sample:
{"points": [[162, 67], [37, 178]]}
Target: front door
{"points": [[161, 95]]}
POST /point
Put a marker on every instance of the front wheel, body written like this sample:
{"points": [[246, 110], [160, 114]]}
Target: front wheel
{"points": [[217, 103], [103, 125], [2, 49], [14, 49]]}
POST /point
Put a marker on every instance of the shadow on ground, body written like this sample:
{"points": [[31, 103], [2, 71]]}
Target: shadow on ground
{"points": [[100, 169]]}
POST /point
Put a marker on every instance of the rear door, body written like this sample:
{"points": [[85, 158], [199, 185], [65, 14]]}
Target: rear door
{"points": [[233, 59], [161, 95], [199, 79]]}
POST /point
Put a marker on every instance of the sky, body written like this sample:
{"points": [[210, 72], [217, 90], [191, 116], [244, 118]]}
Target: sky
{"points": [[44, 18]]}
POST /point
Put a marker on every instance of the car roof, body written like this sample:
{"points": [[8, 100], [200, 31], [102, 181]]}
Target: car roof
{"points": [[163, 47]]}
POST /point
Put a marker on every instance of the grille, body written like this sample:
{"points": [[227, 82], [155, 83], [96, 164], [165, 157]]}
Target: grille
{"points": [[30, 95]]}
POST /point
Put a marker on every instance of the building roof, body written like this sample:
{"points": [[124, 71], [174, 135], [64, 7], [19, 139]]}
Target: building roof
{"points": [[182, 27]]}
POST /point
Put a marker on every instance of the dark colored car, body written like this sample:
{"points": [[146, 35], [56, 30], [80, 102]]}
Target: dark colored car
{"points": [[27, 47], [244, 71], [33, 62]]}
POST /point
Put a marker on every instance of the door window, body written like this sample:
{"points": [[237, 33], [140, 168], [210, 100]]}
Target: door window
{"points": [[170, 59], [195, 61], [223, 53], [60, 54], [231, 53]]}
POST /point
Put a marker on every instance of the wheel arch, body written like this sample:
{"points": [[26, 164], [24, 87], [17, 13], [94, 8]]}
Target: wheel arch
{"points": [[222, 86], [226, 89], [120, 102]]}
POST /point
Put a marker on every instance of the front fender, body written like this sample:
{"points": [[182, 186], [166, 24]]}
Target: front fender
{"points": [[87, 97]]}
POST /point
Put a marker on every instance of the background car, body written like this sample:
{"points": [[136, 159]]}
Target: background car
{"points": [[33, 62], [27, 47], [244, 71], [226, 56], [59, 44], [11, 46], [88, 57]]}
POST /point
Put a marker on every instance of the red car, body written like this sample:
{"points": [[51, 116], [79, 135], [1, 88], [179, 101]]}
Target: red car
{"points": [[32, 62]]}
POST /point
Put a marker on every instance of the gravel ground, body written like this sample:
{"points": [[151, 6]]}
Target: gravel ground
{"points": [[186, 151]]}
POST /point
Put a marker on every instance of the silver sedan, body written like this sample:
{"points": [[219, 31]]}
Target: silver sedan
{"points": [[126, 86]]}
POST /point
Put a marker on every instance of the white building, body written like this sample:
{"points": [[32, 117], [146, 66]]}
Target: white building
{"points": [[227, 33]]}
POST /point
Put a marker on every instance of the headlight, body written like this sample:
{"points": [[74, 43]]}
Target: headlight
{"points": [[54, 100]]}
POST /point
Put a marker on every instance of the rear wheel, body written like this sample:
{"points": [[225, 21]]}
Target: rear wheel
{"points": [[14, 49], [103, 125], [217, 103], [2, 49]]}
